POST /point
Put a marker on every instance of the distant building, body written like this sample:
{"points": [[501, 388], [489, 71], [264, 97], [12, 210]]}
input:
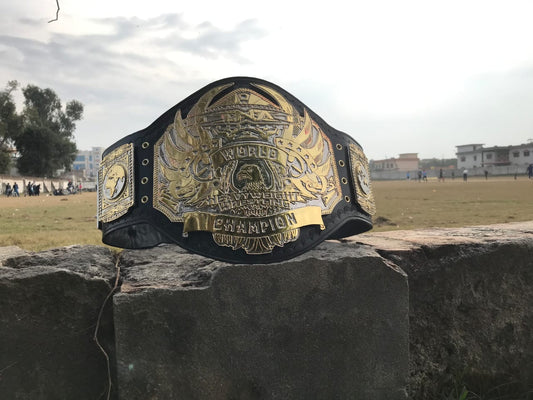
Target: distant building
{"points": [[88, 161], [405, 162], [477, 156], [469, 155]]}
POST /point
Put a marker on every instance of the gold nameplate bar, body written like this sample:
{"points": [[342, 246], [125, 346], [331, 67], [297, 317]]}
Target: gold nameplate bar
{"points": [[253, 227]]}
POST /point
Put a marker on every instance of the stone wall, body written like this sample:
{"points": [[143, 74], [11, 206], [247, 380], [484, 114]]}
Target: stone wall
{"points": [[471, 320], [49, 307], [371, 317]]}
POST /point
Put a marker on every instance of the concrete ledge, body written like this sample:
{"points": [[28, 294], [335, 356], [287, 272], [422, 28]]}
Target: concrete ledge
{"points": [[329, 324]]}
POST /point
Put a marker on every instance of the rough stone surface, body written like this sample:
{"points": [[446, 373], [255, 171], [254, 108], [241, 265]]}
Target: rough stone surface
{"points": [[330, 324], [471, 315], [49, 306], [165, 266]]}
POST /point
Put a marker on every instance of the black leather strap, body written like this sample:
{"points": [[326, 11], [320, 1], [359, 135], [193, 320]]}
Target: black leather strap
{"points": [[149, 188]]}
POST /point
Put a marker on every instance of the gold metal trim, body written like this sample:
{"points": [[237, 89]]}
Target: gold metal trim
{"points": [[250, 170], [115, 184], [361, 179], [145, 145], [144, 180]]}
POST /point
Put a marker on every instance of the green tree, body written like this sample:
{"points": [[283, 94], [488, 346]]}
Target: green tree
{"points": [[10, 125], [46, 142]]}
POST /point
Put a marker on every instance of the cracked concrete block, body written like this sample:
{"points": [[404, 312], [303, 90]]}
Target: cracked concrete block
{"points": [[330, 324], [49, 306]]}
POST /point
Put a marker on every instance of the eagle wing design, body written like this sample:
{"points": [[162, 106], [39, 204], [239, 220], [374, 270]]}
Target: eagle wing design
{"points": [[311, 169], [185, 175]]}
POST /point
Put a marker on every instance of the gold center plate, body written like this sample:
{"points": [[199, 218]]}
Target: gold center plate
{"points": [[247, 167]]}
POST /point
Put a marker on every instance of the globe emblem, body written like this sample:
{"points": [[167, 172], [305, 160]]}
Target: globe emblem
{"points": [[363, 179], [114, 182]]}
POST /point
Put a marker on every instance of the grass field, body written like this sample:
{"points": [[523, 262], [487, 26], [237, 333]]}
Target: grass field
{"points": [[453, 203], [37, 223]]}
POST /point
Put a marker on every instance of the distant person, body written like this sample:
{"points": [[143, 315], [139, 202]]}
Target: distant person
{"points": [[441, 175], [529, 171], [425, 176], [16, 190], [408, 177], [486, 174], [465, 175], [419, 175], [453, 175], [8, 190], [29, 189]]}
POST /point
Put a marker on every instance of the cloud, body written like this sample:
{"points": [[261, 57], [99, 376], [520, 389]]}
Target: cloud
{"points": [[132, 61], [213, 42], [127, 48], [172, 33]]}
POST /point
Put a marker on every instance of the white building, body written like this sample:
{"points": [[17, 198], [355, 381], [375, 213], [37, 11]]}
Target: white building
{"points": [[88, 161], [476, 156], [469, 155]]}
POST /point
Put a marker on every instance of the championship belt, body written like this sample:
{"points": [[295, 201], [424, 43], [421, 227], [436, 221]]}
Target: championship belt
{"points": [[240, 171]]}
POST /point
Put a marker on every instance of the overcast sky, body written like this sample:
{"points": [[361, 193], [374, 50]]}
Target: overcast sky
{"points": [[399, 76]]}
